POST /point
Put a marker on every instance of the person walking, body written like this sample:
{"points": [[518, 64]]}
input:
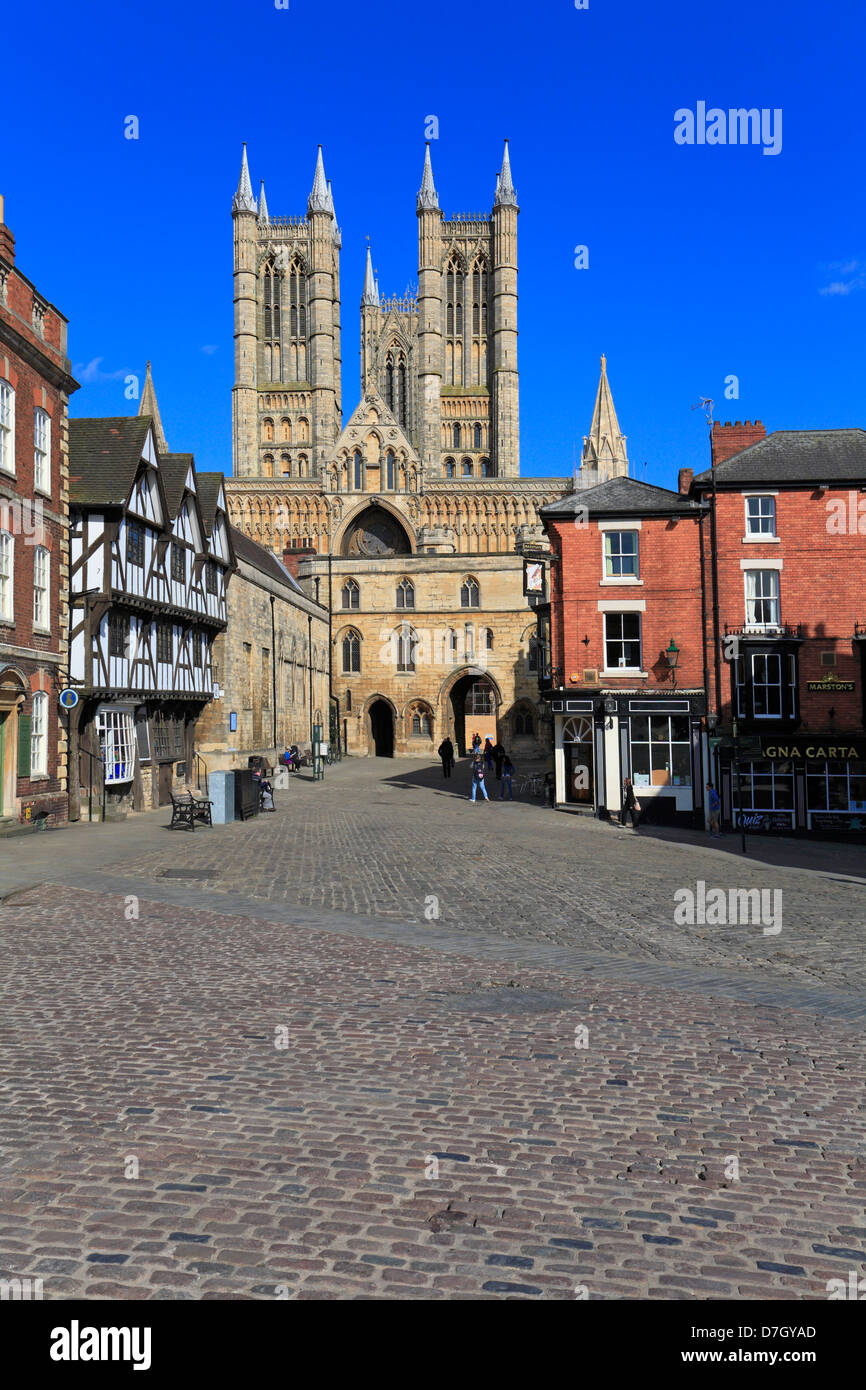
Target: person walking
{"points": [[498, 755], [478, 779], [446, 753], [476, 744], [714, 811], [488, 754], [507, 769], [630, 805]]}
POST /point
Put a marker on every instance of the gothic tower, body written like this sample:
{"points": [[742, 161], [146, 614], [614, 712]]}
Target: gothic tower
{"points": [[286, 406], [604, 454]]}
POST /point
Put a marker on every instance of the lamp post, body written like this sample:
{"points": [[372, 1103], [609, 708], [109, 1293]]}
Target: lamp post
{"points": [[672, 656]]}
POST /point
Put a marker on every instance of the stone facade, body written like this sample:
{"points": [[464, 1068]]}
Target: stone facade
{"points": [[420, 482], [35, 385], [270, 664]]}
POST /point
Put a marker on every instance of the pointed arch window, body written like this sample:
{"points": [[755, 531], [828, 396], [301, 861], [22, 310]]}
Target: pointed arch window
{"points": [[470, 593], [456, 436], [453, 646], [351, 654], [407, 641], [390, 478], [405, 594], [358, 470], [402, 414], [389, 384], [351, 596], [476, 436]]}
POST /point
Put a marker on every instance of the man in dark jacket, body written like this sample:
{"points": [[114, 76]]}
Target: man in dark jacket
{"points": [[446, 753], [630, 805], [498, 755]]}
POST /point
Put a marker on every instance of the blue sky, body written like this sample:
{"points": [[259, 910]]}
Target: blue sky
{"points": [[704, 261]]}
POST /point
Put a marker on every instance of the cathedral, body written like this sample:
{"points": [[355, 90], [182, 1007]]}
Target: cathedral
{"points": [[409, 518]]}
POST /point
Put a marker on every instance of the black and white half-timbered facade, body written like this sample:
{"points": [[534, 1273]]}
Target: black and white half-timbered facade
{"points": [[149, 567]]}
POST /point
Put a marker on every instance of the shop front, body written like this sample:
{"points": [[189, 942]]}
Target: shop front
{"points": [[795, 783], [656, 741]]}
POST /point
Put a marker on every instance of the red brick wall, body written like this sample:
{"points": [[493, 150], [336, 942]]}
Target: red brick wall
{"points": [[822, 585], [670, 574], [18, 513]]}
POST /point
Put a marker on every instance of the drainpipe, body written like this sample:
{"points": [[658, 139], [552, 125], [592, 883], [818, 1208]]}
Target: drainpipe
{"points": [[274, 670], [310, 660], [331, 695], [715, 566]]}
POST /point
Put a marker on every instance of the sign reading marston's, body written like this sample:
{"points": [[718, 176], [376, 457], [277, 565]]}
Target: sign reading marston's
{"points": [[816, 746], [829, 685]]}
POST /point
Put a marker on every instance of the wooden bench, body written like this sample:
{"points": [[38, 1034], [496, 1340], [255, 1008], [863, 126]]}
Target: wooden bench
{"points": [[186, 809]]}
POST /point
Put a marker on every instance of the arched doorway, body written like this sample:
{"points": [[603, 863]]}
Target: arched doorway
{"points": [[473, 705], [579, 764], [382, 729]]}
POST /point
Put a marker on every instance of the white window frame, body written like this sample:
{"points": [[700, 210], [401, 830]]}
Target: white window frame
{"points": [[39, 735], [765, 625], [608, 557], [42, 588], [751, 537], [42, 451], [116, 732], [7, 577], [7, 428], [624, 613]]}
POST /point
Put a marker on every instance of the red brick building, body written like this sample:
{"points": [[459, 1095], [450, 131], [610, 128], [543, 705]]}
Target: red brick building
{"points": [[626, 677], [35, 385], [785, 565]]}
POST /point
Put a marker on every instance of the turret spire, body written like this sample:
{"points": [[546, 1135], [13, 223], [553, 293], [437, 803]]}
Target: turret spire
{"points": [[371, 289], [604, 453], [148, 406], [263, 205], [319, 199], [243, 200], [427, 196], [505, 193]]}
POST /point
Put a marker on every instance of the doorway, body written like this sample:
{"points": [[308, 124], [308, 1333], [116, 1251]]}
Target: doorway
{"points": [[4, 716], [579, 763], [164, 783], [473, 704], [382, 729]]}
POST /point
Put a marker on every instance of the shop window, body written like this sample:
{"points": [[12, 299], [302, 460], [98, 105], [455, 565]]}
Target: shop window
{"points": [[116, 734], [766, 786], [835, 785], [660, 750]]}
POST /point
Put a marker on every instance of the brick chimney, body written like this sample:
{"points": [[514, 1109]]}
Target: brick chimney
{"points": [[684, 480], [7, 240], [731, 439], [293, 556]]}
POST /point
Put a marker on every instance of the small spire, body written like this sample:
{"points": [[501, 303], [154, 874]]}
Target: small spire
{"points": [[371, 287], [243, 200], [428, 198], [604, 448], [263, 205], [148, 406], [319, 199], [506, 197], [331, 200]]}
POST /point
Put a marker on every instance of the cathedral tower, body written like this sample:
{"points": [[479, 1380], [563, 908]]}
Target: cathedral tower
{"points": [[286, 407]]}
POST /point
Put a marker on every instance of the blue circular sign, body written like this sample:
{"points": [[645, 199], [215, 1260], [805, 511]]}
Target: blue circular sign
{"points": [[69, 698]]}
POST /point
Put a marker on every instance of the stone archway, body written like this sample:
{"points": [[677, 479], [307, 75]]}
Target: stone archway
{"points": [[381, 718], [466, 708]]}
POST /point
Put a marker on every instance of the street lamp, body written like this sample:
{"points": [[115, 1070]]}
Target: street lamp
{"points": [[672, 655], [712, 723]]}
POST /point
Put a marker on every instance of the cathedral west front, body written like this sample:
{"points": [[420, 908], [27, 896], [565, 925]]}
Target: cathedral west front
{"points": [[408, 517]]}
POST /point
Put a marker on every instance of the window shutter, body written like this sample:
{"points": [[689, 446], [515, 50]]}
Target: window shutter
{"points": [[24, 725]]}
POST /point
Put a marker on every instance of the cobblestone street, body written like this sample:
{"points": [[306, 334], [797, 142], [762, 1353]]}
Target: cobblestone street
{"points": [[254, 1062]]}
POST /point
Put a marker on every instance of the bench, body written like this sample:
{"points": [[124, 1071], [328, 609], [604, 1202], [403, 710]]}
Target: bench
{"points": [[186, 809]]}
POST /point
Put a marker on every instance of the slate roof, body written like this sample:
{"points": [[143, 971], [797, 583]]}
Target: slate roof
{"points": [[209, 485], [796, 456], [621, 497], [174, 468], [262, 559], [104, 455]]}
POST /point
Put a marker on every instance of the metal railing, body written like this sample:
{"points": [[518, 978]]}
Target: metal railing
{"points": [[200, 772], [759, 630]]}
